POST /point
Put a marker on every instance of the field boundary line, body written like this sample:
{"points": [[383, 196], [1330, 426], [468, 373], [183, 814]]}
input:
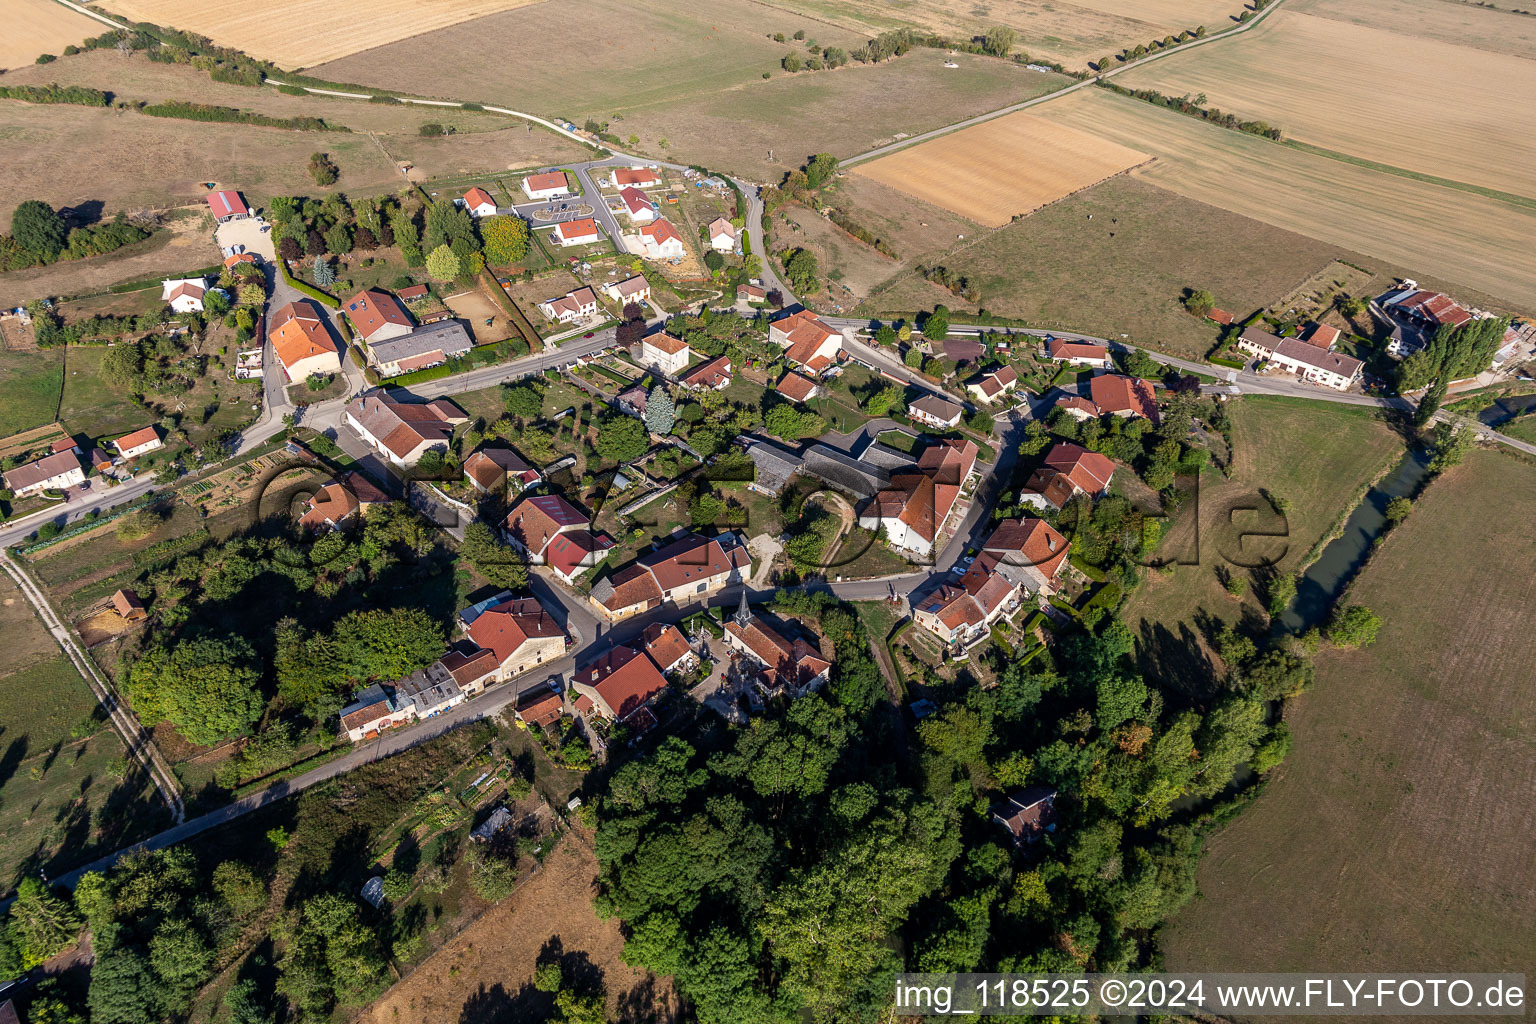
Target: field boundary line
{"points": [[1085, 83], [139, 743]]}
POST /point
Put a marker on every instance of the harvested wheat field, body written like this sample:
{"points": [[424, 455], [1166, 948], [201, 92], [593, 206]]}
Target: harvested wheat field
{"points": [[485, 974], [1397, 835], [1361, 209], [1426, 105], [997, 170], [302, 33], [1073, 33], [1483, 28], [36, 27]]}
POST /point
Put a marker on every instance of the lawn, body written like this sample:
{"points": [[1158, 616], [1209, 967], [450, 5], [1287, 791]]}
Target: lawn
{"points": [[1176, 614], [1522, 427], [62, 799], [30, 382], [26, 641], [91, 406], [1398, 830]]}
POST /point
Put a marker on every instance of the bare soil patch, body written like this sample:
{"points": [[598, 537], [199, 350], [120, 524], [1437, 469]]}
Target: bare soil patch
{"points": [[475, 308], [1398, 831], [486, 973], [995, 171]]}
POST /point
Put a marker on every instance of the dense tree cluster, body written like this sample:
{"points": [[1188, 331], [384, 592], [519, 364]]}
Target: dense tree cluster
{"points": [[39, 235]]}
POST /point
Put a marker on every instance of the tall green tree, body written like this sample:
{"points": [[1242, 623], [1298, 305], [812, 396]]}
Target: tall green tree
{"points": [[39, 229], [205, 686]]}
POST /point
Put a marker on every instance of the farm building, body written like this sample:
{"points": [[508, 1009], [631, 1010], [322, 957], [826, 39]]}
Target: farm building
{"points": [[683, 571], [618, 686], [914, 507], [553, 532], [227, 205], [783, 666], [128, 605], [520, 633]]}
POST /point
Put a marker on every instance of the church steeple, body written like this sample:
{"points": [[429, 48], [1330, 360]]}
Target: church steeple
{"points": [[743, 613]]}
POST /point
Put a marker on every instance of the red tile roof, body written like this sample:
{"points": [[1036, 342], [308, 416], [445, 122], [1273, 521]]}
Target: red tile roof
{"points": [[1060, 348], [490, 466], [415, 291], [635, 201], [226, 203], [624, 678], [567, 551], [1029, 542], [143, 435], [1220, 316], [298, 332], [665, 644], [713, 374], [506, 627], [584, 227], [664, 342], [1131, 396], [468, 667], [642, 176], [477, 197], [546, 181], [692, 559], [661, 230], [796, 387], [533, 521], [372, 309]]}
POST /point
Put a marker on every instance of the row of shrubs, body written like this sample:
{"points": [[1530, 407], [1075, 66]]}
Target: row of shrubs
{"points": [[211, 112], [79, 95], [1195, 108]]}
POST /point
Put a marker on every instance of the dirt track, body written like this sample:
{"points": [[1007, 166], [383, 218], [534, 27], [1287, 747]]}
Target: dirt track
{"points": [[484, 976]]}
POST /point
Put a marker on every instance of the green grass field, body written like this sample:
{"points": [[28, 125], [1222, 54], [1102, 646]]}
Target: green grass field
{"points": [[1398, 830], [1317, 457], [30, 382], [91, 406]]}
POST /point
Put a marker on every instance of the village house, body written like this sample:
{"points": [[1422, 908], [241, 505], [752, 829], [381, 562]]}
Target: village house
{"points": [[657, 241], [1077, 353], [1425, 309], [635, 177], [51, 473], [665, 353], [1028, 814], [808, 342], [784, 667], [570, 307], [686, 570], [722, 237], [992, 386], [665, 644], [140, 442], [637, 206], [371, 712], [632, 401], [478, 202], [226, 205], [632, 289], [429, 345], [184, 294], [348, 495], [1034, 548], [1068, 470], [521, 634], [231, 262], [301, 342], [542, 707], [403, 431], [750, 293], [581, 231], [551, 531], [933, 411], [913, 509], [961, 614], [797, 387], [1310, 363], [1124, 396], [619, 686], [377, 316], [549, 185], [1078, 407], [429, 692], [128, 605], [714, 375], [496, 469]]}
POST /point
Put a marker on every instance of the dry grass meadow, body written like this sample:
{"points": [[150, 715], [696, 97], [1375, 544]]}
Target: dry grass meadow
{"points": [[1175, 616], [36, 27], [1072, 33], [1397, 835], [1351, 206], [997, 170], [1427, 105], [301, 33], [485, 974], [68, 155]]}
